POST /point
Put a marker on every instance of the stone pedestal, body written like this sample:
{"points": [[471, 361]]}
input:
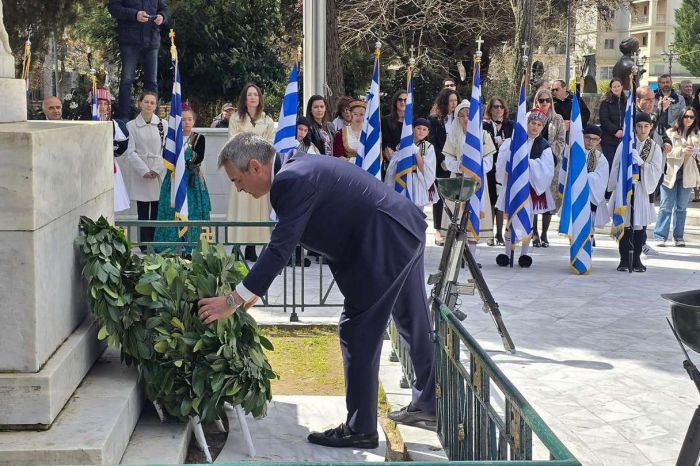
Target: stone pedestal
{"points": [[14, 98], [51, 173]]}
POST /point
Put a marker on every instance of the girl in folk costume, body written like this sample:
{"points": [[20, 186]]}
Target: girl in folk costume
{"points": [[681, 176], [120, 136], [347, 140], [555, 134], [241, 207], [648, 157], [198, 202], [541, 172], [303, 138], [452, 152], [424, 192], [144, 157], [598, 175]]}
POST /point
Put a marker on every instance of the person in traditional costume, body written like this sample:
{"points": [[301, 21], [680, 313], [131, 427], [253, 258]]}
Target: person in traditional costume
{"points": [[500, 128], [648, 157], [144, 157], [303, 138], [322, 131], [598, 174], [241, 208], [555, 133], [347, 140], [424, 192], [541, 172], [452, 152], [198, 202], [120, 137]]}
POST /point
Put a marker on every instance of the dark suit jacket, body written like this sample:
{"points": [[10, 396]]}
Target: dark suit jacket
{"points": [[367, 232], [131, 32]]}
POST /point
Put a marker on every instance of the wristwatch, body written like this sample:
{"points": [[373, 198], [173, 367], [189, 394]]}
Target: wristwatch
{"points": [[230, 301]]}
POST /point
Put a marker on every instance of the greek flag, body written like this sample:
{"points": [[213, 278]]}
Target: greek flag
{"points": [[518, 204], [622, 197], [406, 159], [369, 151], [576, 208], [472, 160], [174, 153], [286, 135], [95, 104]]}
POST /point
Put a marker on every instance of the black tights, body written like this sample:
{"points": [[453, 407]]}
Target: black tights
{"points": [[499, 223], [546, 220]]}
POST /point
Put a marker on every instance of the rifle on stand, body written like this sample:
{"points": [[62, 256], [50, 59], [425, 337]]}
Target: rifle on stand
{"points": [[455, 253]]}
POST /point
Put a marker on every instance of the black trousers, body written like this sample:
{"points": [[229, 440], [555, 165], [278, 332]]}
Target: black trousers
{"points": [[437, 215], [147, 210], [361, 334]]}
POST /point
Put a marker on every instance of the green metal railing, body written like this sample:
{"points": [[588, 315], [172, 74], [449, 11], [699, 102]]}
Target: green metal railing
{"points": [[481, 415], [294, 281]]}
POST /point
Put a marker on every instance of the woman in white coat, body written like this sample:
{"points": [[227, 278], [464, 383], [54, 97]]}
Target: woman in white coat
{"points": [[144, 157], [242, 207]]}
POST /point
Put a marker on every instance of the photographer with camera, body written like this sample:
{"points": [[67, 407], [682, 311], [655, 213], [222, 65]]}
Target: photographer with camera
{"points": [[139, 23]]}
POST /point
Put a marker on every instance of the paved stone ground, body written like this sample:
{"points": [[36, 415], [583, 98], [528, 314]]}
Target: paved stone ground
{"points": [[595, 356]]}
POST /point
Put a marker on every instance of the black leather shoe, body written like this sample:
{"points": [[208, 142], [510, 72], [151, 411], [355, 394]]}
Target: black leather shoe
{"points": [[623, 268], [342, 437]]}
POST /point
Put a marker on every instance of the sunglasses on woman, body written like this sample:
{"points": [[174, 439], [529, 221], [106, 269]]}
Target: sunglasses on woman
{"points": [[689, 117], [545, 101], [497, 106]]}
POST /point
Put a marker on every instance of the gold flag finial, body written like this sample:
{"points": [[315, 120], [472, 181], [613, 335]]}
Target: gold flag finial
{"points": [[173, 49]]}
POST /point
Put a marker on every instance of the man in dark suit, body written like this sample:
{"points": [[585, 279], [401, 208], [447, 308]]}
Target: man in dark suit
{"points": [[373, 239]]}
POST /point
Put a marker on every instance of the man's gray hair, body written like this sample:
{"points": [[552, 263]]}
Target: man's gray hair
{"points": [[686, 81], [245, 147]]}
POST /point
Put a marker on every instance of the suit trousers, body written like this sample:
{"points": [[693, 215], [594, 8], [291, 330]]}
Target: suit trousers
{"points": [[361, 334]]}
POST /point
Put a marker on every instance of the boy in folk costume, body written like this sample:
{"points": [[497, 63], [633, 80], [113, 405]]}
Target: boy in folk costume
{"points": [[647, 156], [541, 173], [598, 171]]}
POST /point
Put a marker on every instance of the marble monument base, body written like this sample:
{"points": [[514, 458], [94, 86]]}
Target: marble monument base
{"points": [[14, 97]]}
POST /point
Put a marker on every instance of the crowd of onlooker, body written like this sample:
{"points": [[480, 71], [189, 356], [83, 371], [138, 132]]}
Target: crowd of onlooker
{"points": [[336, 131]]}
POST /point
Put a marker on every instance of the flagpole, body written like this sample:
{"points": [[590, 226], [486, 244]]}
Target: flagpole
{"points": [[633, 90], [26, 62], [524, 83]]}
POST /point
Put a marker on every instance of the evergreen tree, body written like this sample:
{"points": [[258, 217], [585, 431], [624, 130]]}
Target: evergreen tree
{"points": [[688, 35]]}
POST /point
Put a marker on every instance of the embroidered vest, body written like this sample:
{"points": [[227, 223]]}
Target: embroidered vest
{"points": [[538, 146]]}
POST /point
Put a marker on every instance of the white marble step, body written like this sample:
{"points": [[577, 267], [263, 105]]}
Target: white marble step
{"points": [[94, 426], [154, 442]]}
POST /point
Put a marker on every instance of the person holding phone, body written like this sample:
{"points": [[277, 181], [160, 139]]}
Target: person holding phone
{"points": [[138, 27], [681, 176]]}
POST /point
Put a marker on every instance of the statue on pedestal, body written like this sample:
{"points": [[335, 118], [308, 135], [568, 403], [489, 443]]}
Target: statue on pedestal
{"points": [[624, 65]]}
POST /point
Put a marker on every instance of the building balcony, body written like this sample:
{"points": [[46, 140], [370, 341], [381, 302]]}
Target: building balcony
{"points": [[661, 19], [639, 20]]}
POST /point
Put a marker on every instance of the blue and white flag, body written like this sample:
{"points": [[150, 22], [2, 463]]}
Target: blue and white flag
{"points": [[406, 163], [94, 102], [629, 170], [174, 153], [286, 135], [576, 222], [518, 205], [472, 160], [369, 150]]}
